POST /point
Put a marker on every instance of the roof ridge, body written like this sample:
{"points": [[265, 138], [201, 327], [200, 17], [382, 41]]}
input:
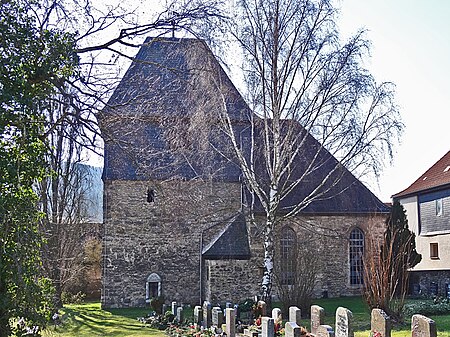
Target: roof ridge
{"points": [[431, 178]]}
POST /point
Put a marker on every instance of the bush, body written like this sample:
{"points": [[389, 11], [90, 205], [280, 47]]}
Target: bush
{"points": [[69, 298], [431, 307]]}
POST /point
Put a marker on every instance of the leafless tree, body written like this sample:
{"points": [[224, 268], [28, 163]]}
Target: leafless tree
{"points": [[104, 39], [311, 100], [305, 265], [64, 199], [387, 262]]}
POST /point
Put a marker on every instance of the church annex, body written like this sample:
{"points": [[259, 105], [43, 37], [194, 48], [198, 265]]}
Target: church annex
{"points": [[176, 220]]}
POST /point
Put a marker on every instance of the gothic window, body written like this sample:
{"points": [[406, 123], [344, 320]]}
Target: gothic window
{"points": [[288, 247], [152, 286], [356, 256]]}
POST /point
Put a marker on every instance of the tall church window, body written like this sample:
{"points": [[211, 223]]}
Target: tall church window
{"points": [[356, 256], [288, 248], [152, 286]]}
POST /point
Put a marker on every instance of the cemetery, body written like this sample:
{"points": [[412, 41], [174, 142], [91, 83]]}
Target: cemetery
{"points": [[229, 320]]}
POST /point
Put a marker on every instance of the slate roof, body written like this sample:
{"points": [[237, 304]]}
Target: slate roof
{"points": [[166, 81], [436, 177], [168, 72], [231, 243]]}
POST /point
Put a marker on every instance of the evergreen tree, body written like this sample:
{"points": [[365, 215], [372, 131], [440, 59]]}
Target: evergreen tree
{"points": [[31, 62]]}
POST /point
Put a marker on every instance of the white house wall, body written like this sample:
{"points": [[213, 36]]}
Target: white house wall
{"points": [[410, 206]]}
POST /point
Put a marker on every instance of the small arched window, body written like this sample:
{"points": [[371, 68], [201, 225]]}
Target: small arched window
{"points": [[152, 286], [356, 255], [288, 249]]}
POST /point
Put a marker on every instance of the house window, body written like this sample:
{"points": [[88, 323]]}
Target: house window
{"points": [[439, 207], [152, 286], [288, 248], [434, 251], [356, 254]]}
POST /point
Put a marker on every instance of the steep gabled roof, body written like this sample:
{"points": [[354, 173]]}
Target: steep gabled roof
{"points": [[435, 177], [231, 243], [168, 80]]}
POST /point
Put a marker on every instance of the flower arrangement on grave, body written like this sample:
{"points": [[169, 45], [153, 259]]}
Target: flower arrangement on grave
{"points": [[278, 326], [160, 322], [375, 333]]}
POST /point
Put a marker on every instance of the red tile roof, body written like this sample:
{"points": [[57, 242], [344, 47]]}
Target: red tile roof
{"points": [[437, 175]]}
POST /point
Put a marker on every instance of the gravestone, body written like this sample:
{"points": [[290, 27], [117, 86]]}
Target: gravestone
{"points": [[206, 314], [180, 314], [263, 306], [174, 308], [325, 331], [230, 321], [291, 329], [344, 318], [217, 317], [198, 314], [295, 315], [267, 327], [380, 322], [317, 316], [164, 308], [276, 314], [422, 326], [237, 311]]}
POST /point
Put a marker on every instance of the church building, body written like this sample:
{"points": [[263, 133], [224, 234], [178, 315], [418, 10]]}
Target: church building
{"points": [[176, 211]]}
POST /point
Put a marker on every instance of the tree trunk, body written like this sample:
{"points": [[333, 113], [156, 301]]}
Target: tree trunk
{"points": [[266, 285]]}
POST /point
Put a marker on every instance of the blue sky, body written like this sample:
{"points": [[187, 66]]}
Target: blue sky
{"points": [[410, 47]]}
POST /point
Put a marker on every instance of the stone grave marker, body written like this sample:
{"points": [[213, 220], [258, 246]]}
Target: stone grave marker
{"points": [[217, 317], [422, 326], [174, 308], [230, 321], [276, 314], [164, 308], [263, 306], [198, 314], [206, 314], [291, 329], [180, 314], [267, 327], [295, 315], [380, 322], [317, 315], [237, 311], [325, 331], [344, 318]]}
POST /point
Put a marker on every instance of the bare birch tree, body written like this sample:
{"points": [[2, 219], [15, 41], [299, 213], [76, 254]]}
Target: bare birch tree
{"points": [[311, 100]]}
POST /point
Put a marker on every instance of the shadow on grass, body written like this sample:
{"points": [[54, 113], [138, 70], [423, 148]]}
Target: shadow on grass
{"points": [[90, 320]]}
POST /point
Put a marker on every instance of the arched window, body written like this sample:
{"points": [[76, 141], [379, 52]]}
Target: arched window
{"points": [[356, 254], [152, 286], [288, 249]]}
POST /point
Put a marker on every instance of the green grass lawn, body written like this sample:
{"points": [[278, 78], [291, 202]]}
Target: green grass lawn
{"points": [[89, 320]]}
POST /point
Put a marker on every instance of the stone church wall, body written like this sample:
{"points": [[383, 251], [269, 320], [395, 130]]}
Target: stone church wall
{"points": [[330, 236], [161, 237]]}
